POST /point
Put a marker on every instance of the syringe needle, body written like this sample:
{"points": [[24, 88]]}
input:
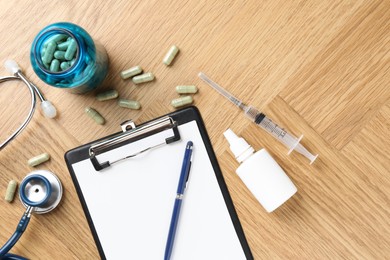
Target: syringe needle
{"points": [[221, 90]]}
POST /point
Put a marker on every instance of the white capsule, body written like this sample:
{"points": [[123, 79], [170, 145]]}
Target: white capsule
{"points": [[38, 159], [143, 78], [186, 89], [131, 72], [11, 189], [182, 101], [132, 104], [107, 95], [170, 55], [95, 115]]}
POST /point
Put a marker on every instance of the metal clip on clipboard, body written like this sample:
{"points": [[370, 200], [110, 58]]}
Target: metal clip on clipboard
{"points": [[131, 133]]}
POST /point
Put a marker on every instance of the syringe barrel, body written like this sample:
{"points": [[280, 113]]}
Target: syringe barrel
{"points": [[290, 141], [279, 133], [268, 125]]}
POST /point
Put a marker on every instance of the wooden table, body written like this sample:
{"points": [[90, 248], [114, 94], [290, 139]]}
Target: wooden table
{"points": [[320, 68]]}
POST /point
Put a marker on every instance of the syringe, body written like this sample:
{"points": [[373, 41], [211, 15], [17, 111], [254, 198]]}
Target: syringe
{"points": [[263, 121]]}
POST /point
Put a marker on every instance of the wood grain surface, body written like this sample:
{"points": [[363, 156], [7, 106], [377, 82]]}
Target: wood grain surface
{"points": [[321, 68]]}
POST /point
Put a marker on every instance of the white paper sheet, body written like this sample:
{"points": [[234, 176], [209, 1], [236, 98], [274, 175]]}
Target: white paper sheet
{"points": [[131, 202]]}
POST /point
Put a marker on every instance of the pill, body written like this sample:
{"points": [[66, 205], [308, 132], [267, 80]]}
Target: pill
{"points": [[60, 55], [11, 189], [182, 101], [107, 95], [170, 55], [132, 104], [92, 113], [143, 78], [64, 65], [63, 45], [72, 62], [56, 38], [49, 53], [71, 50], [131, 72], [38, 159], [186, 89], [55, 65]]}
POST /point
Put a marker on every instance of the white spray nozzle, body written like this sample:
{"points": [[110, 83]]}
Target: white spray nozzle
{"points": [[48, 109], [239, 147], [11, 66]]}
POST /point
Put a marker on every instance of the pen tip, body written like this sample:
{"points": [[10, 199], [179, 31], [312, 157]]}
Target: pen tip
{"points": [[190, 144]]}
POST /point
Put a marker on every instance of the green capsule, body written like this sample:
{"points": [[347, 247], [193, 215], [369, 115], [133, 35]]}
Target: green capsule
{"points": [[54, 65], [63, 45], [43, 51], [38, 159], [131, 72], [64, 65], [132, 104], [71, 50], [186, 89], [56, 38], [49, 53], [182, 101], [107, 95], [11, 189], [72, 62], [170, 55], [60, 55], [143, 78], [92, 113]]}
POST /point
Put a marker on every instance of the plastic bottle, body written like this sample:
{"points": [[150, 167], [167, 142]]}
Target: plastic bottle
{"points": [[83, 64], [261, 173]]}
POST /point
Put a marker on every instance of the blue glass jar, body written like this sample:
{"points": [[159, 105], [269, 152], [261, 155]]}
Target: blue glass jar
{"points": [[80, 64]]}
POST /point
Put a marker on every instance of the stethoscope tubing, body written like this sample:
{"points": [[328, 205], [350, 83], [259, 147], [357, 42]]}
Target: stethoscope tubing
{"points": [[32, 108]]}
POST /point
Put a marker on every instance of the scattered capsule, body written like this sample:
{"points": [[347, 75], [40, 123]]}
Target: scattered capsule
{"points": [[71, 50], [132, 104], [49, 53], [131, 72], [60, 55], [143, 78], [186, 89], [38, 159], [170, 55], [55, 65], [63, 45], [107, 95], [64, 65], [182, 101], [11, 189], [92, 113]]}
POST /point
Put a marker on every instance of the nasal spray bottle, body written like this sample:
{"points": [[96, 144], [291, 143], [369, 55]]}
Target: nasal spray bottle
{"points": [[261, 173]]}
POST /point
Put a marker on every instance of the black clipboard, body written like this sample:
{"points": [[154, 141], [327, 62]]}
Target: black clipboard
{"points": [[89, 154]]}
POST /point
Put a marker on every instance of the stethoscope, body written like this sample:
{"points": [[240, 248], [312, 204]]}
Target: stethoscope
{"points": [[40, 192], [47, 107]]}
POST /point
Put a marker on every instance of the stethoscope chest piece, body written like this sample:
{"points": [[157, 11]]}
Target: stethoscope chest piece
{"points": [[41, 190]]}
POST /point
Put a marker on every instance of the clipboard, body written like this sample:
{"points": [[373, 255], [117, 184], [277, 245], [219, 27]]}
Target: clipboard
{"points": [[127, 184]]}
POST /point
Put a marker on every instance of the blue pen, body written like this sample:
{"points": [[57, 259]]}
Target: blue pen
{"points": [[184, 174]]}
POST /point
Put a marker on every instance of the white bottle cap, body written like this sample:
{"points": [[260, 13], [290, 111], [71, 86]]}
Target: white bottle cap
{"points": [[239, 147], [261, 174]]}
